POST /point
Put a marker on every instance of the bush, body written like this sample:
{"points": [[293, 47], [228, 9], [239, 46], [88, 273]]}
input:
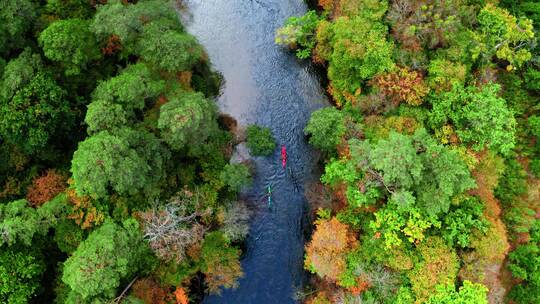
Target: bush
{"points": [[260, 140]]}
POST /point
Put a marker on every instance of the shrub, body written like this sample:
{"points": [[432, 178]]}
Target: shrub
{"points": [[260, 140]]}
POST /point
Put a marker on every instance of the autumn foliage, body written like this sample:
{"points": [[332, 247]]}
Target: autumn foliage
{"points": [[45, 187], [84, 213], [325, 254], [150, 292], [181, 296], [113, 46], [402, 85]]}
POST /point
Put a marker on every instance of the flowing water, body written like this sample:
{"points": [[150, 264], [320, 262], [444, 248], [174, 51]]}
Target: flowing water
{"points": [[266, 85]]}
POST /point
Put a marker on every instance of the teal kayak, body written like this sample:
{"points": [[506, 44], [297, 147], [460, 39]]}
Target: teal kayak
{"points": [[269, 194]]}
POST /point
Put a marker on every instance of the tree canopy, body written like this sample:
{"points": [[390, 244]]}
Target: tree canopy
{"points": [[186, 119], [109, 255], [126, 162], [70, 43]]}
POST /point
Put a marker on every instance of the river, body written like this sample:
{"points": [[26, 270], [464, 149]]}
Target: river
{"points": [[266, 85]]}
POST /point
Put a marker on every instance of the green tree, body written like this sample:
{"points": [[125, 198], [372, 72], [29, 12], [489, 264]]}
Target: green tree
{"points": [[126, 21], [236, 176], [260, 140], [168, 49], [110, 254], [187, 119], [503, 35], [397, 158], [480, 117], [115, 100], [459, 223], [525, 265], [32, 105], [299, 33], [534, 125], [127, 162], [19, 71], [16, 19], [19, 222], [360, 51], [69, 8], [71, 43], [326, 128], [20, 274], [104, 116], [131, 88], [397, 221], [418, 164], [469, 293]]}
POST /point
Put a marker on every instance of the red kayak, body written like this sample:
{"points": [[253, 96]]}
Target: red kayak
{"points": [[283, 156]]}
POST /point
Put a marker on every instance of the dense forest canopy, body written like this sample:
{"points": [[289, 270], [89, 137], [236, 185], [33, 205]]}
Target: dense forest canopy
{"points": [[431, 178], [116, 179], [114, 171]]}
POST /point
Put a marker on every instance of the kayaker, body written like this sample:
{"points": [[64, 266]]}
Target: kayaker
{"points": [[283, 156], [269, 195]]}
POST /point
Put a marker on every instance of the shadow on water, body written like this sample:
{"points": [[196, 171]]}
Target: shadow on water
{"points": [[264, 84]]}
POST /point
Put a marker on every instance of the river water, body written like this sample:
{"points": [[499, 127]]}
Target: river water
{"points": [[266, 85]]}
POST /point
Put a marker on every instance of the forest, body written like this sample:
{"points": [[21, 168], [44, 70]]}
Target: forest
{"points": [[430, 189], [118, 182], [116, 185]]}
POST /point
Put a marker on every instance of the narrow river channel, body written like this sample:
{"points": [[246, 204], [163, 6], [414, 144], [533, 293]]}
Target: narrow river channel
{"points": [[266, 85]]}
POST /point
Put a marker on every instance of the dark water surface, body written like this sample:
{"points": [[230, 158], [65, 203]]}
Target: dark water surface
{"points": [[264, 84]]}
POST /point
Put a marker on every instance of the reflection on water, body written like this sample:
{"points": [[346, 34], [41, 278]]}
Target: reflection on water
{"points": [[265, 85]]}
